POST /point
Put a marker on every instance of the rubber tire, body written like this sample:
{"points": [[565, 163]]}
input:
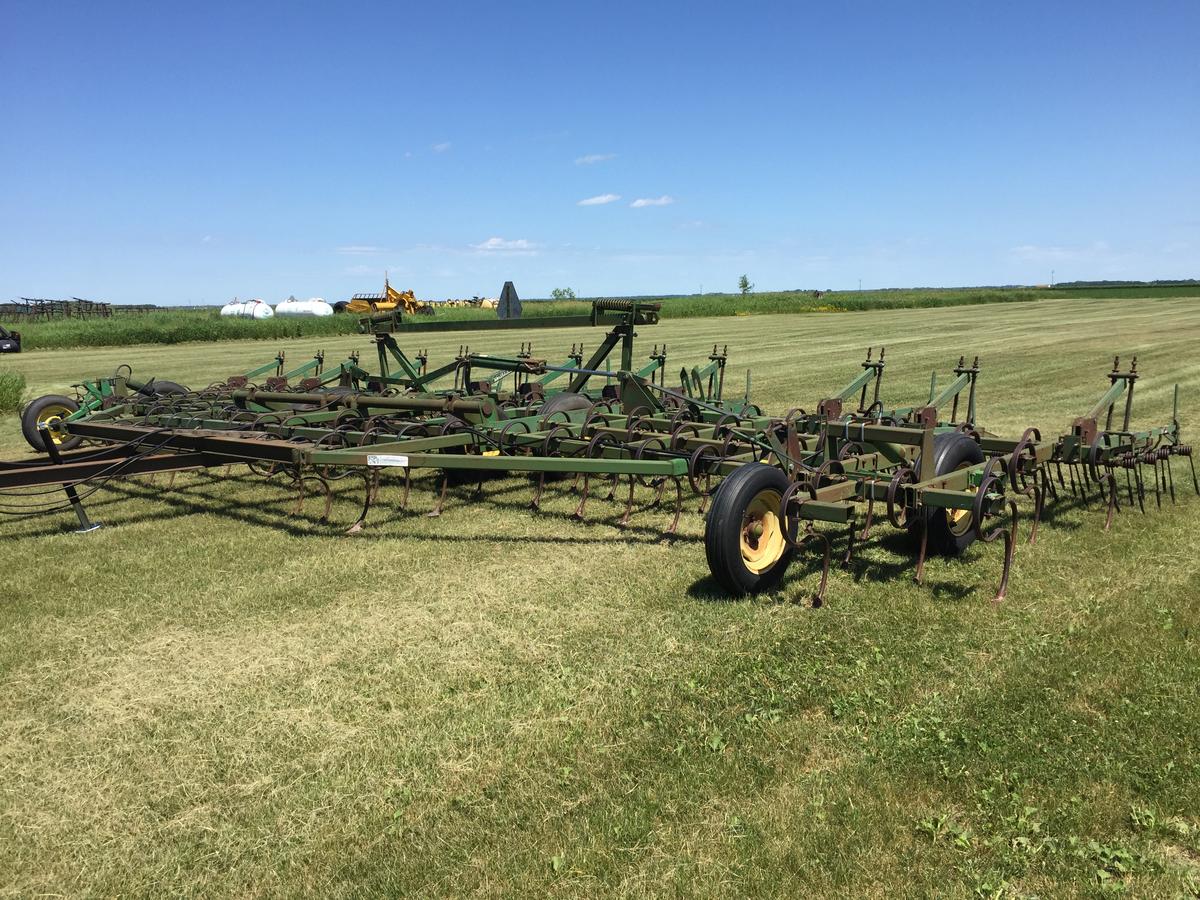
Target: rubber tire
{"points": [[951, 449], [565, 401], [167, 388], [723, 530], [161, 388], [29, 417], [562, 401]]}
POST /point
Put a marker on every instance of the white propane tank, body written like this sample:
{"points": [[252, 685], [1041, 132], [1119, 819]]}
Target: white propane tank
{"points": [[259, 309], [250, 309], [313, 306]]}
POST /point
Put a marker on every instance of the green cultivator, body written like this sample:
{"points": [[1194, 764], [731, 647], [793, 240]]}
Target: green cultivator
{"points": [[769, 485], [52, 412]]}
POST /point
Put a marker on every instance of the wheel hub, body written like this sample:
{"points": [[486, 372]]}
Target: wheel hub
{"points": [[762, 542]]}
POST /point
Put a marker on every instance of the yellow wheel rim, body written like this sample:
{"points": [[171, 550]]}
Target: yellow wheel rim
{"points": [[762, 533], [51, 417], [959, 520]]}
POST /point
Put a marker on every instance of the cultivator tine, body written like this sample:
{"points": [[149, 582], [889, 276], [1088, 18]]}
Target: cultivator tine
{"points": [[1186, 450], [583, 498], [1010, 548], [1048, 487], [407, 489], [1151, 459], [993, 473], [300, 492], [659, 493], [325, 489], [849, 554], [1165, 456], [624, 520], [612, 488], [1023, 454], [441, 501], [673, 528], [790, 510], [818, 599], [865, 534], [370, 486], [1113, 507], [1036, 492], [922, 549], [536, 503], [700, 475]]}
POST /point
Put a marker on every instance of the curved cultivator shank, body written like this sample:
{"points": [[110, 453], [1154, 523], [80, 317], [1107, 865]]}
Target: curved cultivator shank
{"points": [[770, 487]]}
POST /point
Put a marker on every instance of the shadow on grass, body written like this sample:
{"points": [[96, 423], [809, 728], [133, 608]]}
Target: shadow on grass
{"points": [[804, 571], [194, 498]]}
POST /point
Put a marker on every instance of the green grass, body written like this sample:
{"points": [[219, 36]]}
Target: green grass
{"points": [[12, 390], [200, 325], [210, 697], [1123, 291]]}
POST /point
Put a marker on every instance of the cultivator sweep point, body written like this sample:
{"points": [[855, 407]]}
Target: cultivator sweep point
{"points": [[769, 487]]}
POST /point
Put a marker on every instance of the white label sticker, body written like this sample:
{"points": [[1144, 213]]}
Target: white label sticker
{"points": [[385, 460]]}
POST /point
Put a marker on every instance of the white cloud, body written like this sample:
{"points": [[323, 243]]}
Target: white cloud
{"points": [[599, 200], [664, 200], [360, 250], [593, 158], [207, 239], [442, 147], [360, 269], [502, 245]]}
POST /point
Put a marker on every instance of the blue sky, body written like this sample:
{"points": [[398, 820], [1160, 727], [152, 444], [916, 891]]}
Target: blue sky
{"points": [[165, 152]]}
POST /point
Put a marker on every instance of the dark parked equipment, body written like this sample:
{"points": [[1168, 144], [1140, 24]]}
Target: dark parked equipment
{"points": [[10, 341]]}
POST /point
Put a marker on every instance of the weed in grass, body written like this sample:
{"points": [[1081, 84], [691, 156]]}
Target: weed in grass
{"points": [[12, 390]]}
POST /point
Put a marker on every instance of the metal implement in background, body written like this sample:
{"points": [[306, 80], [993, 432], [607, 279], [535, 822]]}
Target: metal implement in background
{"points": [[509, 306], [388, 301], [10, 341], [769, 485]]}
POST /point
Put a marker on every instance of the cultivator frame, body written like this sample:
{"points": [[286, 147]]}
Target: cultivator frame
{"points": [[768, 485]]}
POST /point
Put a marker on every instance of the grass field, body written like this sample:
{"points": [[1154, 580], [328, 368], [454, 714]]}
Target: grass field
{"points": [[188, 325], [209, 697]]}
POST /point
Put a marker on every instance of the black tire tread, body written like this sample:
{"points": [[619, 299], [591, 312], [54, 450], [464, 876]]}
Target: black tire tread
{"points": [[723, 526], [164, 388], [950, 450], [29, 417]]}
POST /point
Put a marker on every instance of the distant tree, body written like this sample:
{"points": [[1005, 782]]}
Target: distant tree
{"points": [[562, 294], [744, 284]]}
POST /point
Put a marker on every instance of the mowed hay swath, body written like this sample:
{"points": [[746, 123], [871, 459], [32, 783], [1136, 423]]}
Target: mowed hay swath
{"points": [[570, 708]]}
